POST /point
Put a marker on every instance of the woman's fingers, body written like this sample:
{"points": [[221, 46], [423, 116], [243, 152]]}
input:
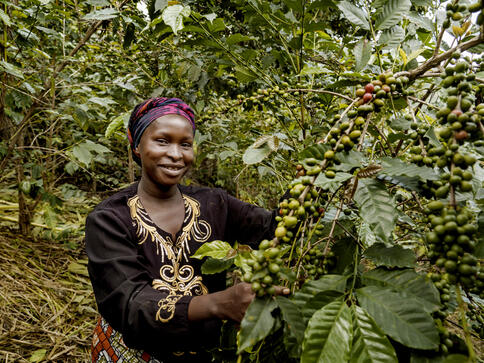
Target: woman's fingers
{"points": [[282, 290]]}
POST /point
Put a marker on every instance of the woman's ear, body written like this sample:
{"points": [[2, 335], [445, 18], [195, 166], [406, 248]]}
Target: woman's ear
{"points": [[136, 151]]}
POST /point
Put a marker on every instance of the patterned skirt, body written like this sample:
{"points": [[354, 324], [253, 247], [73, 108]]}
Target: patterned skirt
{"points": [[108, 346]]}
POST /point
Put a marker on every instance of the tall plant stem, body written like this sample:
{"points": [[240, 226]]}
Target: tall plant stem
{"points": [[465, 327]]}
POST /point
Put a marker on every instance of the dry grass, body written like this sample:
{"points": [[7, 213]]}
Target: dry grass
{"points": [[47, 308]]}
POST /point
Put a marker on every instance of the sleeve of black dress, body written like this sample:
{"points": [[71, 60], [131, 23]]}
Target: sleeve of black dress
{"points": [[122, 287], [247, 223]]}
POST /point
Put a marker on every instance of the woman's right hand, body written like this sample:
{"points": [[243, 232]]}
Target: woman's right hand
{"points": [[230, 303]]}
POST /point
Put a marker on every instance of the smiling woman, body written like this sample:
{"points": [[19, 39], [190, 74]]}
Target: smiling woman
{"points": [[155, 305]]}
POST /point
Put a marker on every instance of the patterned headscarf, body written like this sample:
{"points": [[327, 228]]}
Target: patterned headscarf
{"points": [[148, 111]]}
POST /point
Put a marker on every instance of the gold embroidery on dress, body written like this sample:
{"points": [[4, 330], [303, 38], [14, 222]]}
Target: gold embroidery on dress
{"points": [[176, 279]]}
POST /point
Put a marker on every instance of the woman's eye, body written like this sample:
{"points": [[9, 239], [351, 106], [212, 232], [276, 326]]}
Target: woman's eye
{"points": [[162, 141], [187, 145]]}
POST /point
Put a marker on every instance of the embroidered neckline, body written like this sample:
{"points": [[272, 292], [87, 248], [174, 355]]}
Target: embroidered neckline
{"points": [[177, 277]]}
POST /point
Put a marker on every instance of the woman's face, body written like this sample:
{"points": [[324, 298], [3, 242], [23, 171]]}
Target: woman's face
{"points": [[166, 150]]}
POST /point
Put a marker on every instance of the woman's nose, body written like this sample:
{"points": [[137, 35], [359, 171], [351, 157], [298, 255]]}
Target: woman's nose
{"points": [[174, 151]]}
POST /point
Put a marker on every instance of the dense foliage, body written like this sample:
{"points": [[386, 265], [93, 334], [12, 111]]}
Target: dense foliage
{"points": [[370, 114]]}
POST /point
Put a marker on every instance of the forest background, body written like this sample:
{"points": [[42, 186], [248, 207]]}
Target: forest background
{"points": [[266, 79]]}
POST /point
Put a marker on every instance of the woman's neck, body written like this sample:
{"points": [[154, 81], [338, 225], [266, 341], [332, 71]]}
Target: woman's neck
{"points": [[155, 192]]}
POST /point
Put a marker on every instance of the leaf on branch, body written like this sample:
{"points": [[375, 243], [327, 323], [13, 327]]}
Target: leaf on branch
{"points": [[331, 184], [362, 52], [237, 38], [293, 317], [400, 316], [11, 69], [319, 300], [407, 182], [257, 323], [215, 249], [408, 282], [244, 74], [354, 14], [254, 154], [173, 16], [350, 160], [377, 207], [313, 287], [328, 335], [395, 256], [369, 343], [392, 37], [314, 151], [397, 167], [5, 18], [392, 14], [213, 265], [103, 14]]}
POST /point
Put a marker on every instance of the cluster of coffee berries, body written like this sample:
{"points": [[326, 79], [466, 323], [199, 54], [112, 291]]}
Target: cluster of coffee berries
{"points": [[264, 268], [317, 263], [452, 241], [459, 118]]}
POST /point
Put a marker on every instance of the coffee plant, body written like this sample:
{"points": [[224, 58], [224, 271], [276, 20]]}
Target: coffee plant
{"points": [[379, 234]]}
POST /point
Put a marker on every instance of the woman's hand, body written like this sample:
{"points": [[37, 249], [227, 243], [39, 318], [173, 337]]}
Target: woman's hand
{"points": [[230, 303]]}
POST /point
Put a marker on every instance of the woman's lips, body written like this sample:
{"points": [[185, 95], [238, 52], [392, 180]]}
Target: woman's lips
{"points": [[173, 170]]}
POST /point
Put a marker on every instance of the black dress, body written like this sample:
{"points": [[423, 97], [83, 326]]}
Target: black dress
{"points": [[143, 281]]}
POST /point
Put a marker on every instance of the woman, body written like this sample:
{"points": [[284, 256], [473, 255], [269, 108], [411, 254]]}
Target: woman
{"points": [[154, 302]]}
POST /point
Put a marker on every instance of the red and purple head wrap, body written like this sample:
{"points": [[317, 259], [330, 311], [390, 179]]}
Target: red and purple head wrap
{"points": [[148, 111]]}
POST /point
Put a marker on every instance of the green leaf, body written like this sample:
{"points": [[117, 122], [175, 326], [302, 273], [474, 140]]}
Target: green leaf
{"points": [[392, 37], [395, 256], [38, 356], [5, 18], [362, 52], [331, 183], [82, 153], [395, 167], [213, 265], [354, 14], [369, 343], [319, 300], [11, 69], [392, 13], [216, 26], [244, 74], [117, 123], [160, 5], [350, 160], [377, 207], [215, 249], [103, 14], [237, 38], [256, 155], [314, 151], [313, 287], [400, 317], [293, 317], [328, 335], [257, 323], [173, 16], [408, 282]]}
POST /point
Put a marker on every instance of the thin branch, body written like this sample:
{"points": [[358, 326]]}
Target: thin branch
{"points": [[435, 60], [422, 102], [320, 91]]}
